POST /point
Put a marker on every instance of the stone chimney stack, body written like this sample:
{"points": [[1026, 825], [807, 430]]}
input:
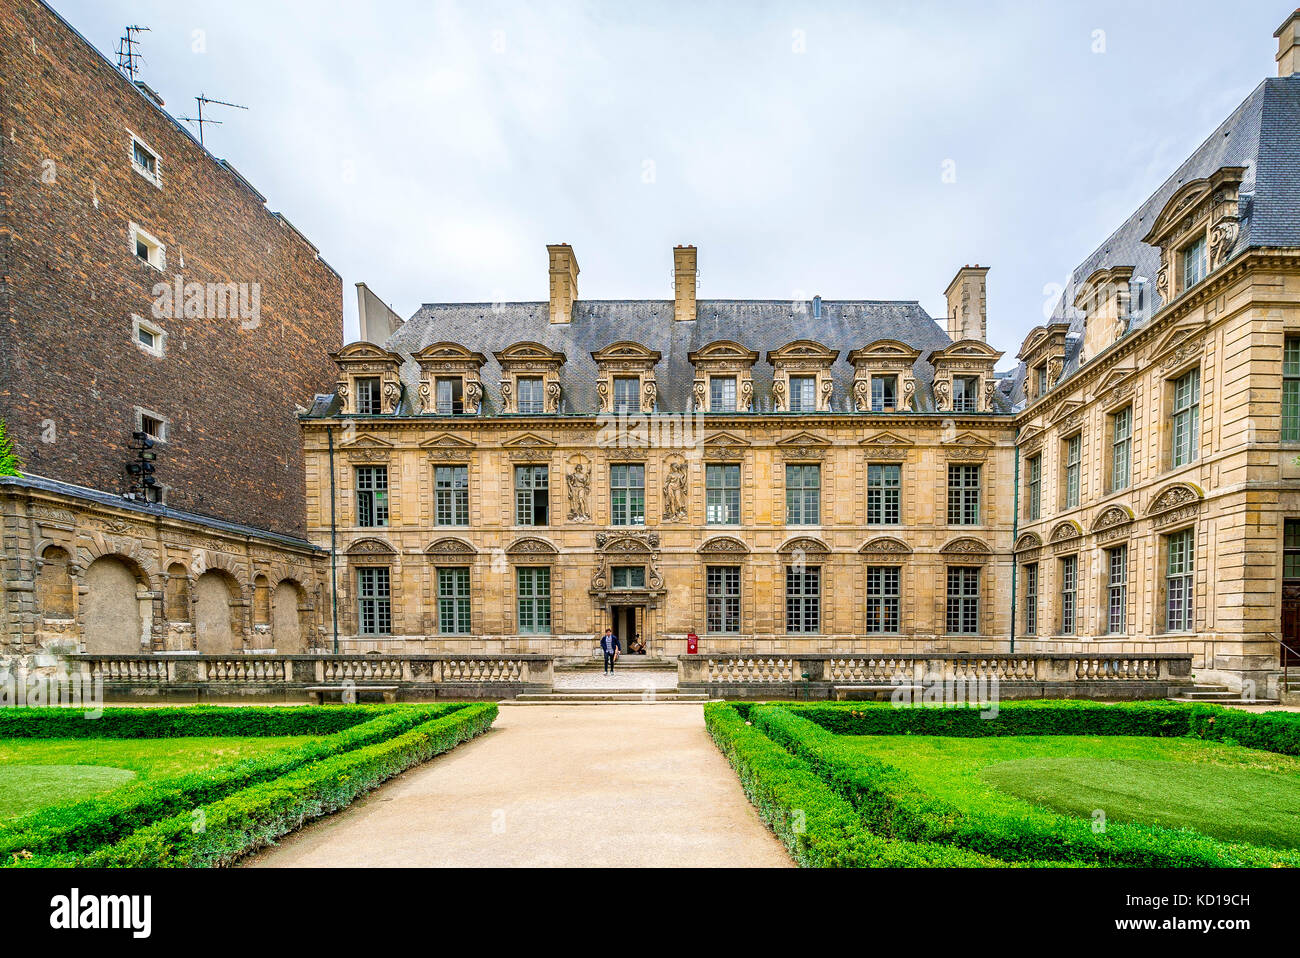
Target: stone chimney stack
{"points": [[1288, 46], [684, 283], [564, 282], [967, 307]]}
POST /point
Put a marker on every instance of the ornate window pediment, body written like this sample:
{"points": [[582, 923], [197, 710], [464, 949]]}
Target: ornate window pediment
{"points": [[889, 360], [1066, 534], [968, 445], [723, 351], [804, 545], [725, 445], [1027, 542], [966, 359], [1065, 411], [723, 546], [371, 548], [802, 446], [1180, 345], [1115, 385], [886, 445], [802, 358], [529, 447], [455, 370], [723, 358], [537, 366], [1113, 522], [366, 448], [450, 548], [630, 360], [531, 546], [885, 546], [1202, 211], [1176, 502], [968, 548], [448, 448], [638, 356], [366, 361]]}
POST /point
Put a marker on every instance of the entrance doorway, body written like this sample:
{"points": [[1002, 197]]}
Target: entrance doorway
{"points": [[1291, 623], [628, 623]]}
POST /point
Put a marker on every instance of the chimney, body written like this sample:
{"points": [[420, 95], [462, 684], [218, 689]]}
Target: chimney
{"points": [[967, 309], [684, 283], [564, 282], [1288, 46]]}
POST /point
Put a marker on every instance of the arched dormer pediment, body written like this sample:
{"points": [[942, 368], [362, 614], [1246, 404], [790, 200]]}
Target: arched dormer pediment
{"points": [[450, 362], [449, 352], [803, 350], [530, 546], [723, 545], [723, 350], [528, 352], [365, 352], [966, 349], [369, 380], [889, 351], [804, 545], [802, 359], [626, 351], [1204, 209], [450, 547], [885, 546]]}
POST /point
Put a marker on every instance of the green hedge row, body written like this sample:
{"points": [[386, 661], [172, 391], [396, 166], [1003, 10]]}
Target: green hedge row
{"points": [[186, 721], [255, 817], [892, 805], [85, 825], [819, 828], [1269, 731]]}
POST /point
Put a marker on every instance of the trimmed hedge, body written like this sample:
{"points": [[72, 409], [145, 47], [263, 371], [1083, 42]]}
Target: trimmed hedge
{"points": [[188, 721], [255, 817], [819, 828], [1270, 731], [88, 824], [892, 805]]}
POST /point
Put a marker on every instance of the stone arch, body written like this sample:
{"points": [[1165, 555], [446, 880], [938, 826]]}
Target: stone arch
{"points": [[1064, 531], [530, 546], [288, 616], [808, 545], [885, 546], [217, 627], [723, 545], [1028, 541], [55, 589], [116, 615], [968, 547]]}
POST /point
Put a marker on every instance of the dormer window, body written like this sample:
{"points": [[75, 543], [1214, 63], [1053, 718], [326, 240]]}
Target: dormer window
{"points": [[884, 393], [1193, 257], [627, 395], [369, 396], [965, 393], [803, 393], [722, 393], [531, 392], [1041, 373], [450, 401]]}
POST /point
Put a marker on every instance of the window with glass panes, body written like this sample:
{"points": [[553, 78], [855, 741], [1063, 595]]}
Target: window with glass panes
{"points": [[448, 395], [534, 599], [532, 495], [1180, 563], [1291, 390], [722, 393], [1291, 549], [803, 599], [1073, 455], [965, 393], [1186, 416], [803, 491], [374, 612], [1042, 379], [963, 600], [372, 495], [369, 402], [453, 601], [882, 598], [1121, 448], [803, 393], [530, 397], [1031, 599], [627, 495], [884, 489], [722, 494], [628, 576], [1193, 263], [1035, 470], [1116, 590], [627, 394], [963, 495], [722, 584], [451, 495], [1069, 579], [884, 393]]}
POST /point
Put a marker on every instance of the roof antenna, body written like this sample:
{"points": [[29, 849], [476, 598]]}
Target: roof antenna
{"points": [[127, 53], [201, 119]]}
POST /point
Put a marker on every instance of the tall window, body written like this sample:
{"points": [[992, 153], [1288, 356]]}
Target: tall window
{"points": [[627, 394], [1291, 549], [1179, 567], [1031, 599], [627, 495], [1041, 375], [722, 495], [1069, 593], [1035, 470], [531, 395], [965, 393], [448, 394], [803, 599], [882, 599], [451, 495], [803, 495], [722, 584], [532, 495], [1121, 448], [1186, 417], [963, 495], [372, 495], [722, 393], [453, 601], [1193, 264], [1116, 590], [534, 600], [374, 612], [884, 485], [963, 600], [803, 393], [369, 402], [884, 393], [1291, 390], [1073, 454]]}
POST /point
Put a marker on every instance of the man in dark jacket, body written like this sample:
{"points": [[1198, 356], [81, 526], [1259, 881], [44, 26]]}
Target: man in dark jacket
{"points": [[609, 645]]}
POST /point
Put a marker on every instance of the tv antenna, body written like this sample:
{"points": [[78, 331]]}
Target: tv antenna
{"points": [[201, 119], [128, 53]]}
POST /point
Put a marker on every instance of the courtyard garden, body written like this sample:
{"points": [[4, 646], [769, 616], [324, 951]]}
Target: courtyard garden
{"points": [[201, 785], [1037, 783]]}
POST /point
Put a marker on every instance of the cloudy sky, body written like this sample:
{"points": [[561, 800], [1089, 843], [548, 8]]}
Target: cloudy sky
{"points": [[849, 149]]}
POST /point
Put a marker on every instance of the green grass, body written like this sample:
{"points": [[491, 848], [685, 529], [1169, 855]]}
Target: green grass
{"points": [[1223, 791], [35, 773]]}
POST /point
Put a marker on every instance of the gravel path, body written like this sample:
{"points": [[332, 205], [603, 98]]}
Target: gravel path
{"points": [[604, 785]]}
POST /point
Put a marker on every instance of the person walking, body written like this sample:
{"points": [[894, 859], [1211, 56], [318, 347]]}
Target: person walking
{"points": [[610, 647]]}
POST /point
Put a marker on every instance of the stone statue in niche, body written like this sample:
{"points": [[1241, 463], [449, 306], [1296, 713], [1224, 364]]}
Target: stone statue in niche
{"points": [[579, 482], [675, 493]]}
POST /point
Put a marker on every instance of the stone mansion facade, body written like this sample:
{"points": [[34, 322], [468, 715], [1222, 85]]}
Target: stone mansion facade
{"points": [[851, 476]]}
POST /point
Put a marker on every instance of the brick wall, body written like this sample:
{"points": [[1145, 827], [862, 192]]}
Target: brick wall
{"points": [[72, 376]]}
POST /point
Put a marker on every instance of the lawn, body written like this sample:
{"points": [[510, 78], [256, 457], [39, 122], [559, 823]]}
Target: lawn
{"points": [[1224, 791], [35, 773]]}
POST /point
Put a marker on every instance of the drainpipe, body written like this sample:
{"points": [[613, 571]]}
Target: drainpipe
{"points": [[1015, 531], [334, 579]]}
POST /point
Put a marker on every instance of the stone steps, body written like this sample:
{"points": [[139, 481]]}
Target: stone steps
{"points": [[624, 662], [606, 697], [1216, 695]]}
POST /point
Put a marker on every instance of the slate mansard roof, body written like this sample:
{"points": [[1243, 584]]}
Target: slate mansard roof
{"points": [[759, 325], [1263, 136]]}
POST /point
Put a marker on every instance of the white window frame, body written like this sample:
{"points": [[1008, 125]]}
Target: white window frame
{"points": [[158, 249], [159, 349], [156, 176]]}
